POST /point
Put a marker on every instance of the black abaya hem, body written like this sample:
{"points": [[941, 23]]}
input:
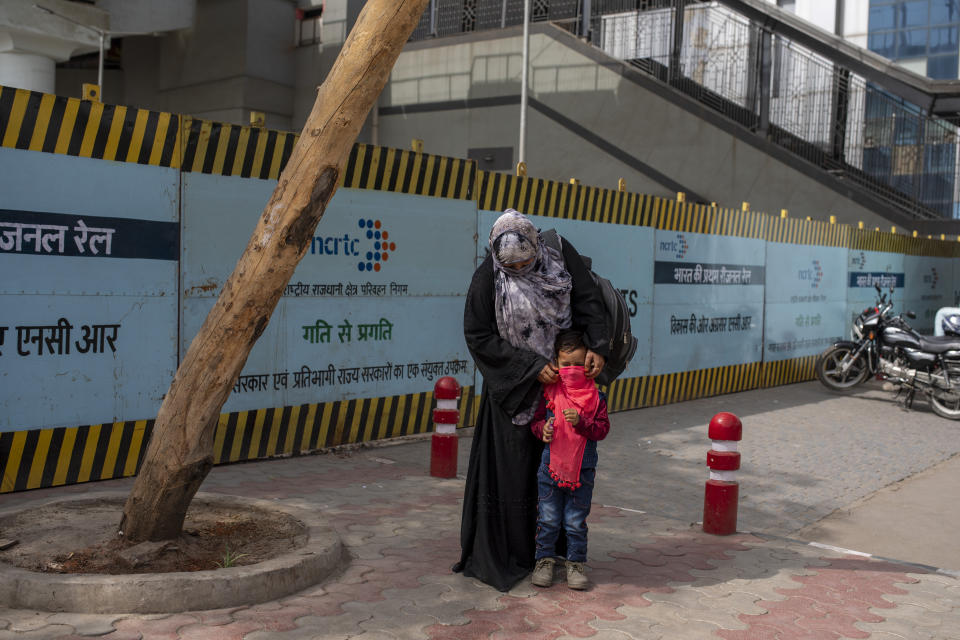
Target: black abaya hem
{"points": [[497, 534]]}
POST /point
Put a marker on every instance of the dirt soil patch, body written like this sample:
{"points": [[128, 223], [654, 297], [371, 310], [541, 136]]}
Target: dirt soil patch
{"points": [[83, 538]]}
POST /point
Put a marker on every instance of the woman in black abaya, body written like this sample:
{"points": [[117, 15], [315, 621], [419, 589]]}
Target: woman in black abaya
{"points": [[522, 294]]}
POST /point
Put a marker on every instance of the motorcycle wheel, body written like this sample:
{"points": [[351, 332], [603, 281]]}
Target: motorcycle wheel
{"points": [[945, 404], [828, 369]]}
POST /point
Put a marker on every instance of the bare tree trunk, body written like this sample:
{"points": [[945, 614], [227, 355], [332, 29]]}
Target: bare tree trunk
{"points": [[180, 453]]}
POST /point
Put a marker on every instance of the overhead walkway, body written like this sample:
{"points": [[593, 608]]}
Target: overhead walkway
{"points": [[843, 116]]}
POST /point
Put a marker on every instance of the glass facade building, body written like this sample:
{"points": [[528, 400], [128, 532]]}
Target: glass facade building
{"points": [[919, 34], [922, 36]]}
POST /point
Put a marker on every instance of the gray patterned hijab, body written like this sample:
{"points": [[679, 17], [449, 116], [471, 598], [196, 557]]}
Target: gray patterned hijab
{"points": [[532, 302]]}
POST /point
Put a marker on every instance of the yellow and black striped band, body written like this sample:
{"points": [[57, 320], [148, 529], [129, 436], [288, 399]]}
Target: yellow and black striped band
{"points": [[652, 391], [864, 240], [42, 122], [35, 121], [399, 171], [497, 192], [68, 455], [41, 458], [797, 231]]}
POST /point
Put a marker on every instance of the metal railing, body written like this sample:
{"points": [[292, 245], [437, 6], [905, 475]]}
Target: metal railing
{"points": [[798, 99], [815, 108], [449, 17]]}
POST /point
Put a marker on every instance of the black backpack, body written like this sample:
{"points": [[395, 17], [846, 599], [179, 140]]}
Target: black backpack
{"points": [[623, 344]]}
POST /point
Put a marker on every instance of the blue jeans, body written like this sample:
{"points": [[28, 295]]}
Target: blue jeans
{"points": [[563, 508]]}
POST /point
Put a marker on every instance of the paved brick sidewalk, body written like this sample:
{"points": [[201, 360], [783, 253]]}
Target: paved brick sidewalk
{"points": [[806, 452], [655, 575]]}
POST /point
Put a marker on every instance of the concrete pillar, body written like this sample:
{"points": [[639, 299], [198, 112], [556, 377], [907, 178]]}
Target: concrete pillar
{"points": [[28, 71], [34, 39]]}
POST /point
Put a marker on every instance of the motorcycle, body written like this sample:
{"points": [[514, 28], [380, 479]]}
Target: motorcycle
{"points": [[886, 347]]}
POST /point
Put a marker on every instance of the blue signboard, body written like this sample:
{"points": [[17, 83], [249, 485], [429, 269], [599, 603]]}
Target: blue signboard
{"points": [[620, 253], [420, 245], [928, 287], [708, 301], [88, 312], [375, 307], [320, 350], [867, 270], [806, 300]]}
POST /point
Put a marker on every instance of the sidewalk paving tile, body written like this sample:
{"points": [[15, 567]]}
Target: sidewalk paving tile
{"points": [[114, 635], [608, 634], [217, 617], [85, 624], [46, 632], [632, 624], [651, 576], [230, 631], [409, 626], [372, 635], [680, 623], [696, 607], [158, 627], [23, 620], [906, 627], [344, 625], [273, 616]]}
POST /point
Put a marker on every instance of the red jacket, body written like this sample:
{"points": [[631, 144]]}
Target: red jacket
{"points": [[595, 427]]}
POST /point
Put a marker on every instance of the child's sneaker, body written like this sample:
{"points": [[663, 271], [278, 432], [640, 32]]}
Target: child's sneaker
{"points": [[577, 575], [543, 573]]}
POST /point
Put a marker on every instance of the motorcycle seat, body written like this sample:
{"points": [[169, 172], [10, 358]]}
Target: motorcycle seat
{"points": [[939, 344]]}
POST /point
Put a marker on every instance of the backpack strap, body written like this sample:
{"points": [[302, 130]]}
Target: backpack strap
{"points": [[551, 238]]}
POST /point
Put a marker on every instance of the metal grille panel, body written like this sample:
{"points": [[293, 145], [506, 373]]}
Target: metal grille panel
{"points": [[800, 100]]}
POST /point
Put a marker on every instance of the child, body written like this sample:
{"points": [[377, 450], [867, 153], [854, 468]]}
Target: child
{"points": [[571, 418]]}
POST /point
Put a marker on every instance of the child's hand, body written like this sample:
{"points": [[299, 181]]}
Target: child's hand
{"points": [[548, 431], [572, 417]]}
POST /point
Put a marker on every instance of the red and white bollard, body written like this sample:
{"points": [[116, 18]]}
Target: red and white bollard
{"points": [[446, 416], [722, 491]]}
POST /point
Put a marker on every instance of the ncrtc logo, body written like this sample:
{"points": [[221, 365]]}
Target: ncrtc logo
{"points": [[814, 275], [678, 247], [372, 247], [682, 245], [933, 278]]}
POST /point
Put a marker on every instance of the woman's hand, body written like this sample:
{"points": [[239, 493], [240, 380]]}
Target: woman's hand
{"points": [[548, 431], [549, 374], [571, 416], [593, 364]]}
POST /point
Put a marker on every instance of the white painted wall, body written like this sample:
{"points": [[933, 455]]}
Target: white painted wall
{"points": [[856, 14], [822, 13]]}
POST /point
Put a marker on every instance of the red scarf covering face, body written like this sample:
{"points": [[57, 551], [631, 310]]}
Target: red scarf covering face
{"points": [[575, 391]]}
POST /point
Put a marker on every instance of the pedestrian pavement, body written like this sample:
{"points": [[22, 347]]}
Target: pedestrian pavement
{"points": [[654, 573], [908, 519]]}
